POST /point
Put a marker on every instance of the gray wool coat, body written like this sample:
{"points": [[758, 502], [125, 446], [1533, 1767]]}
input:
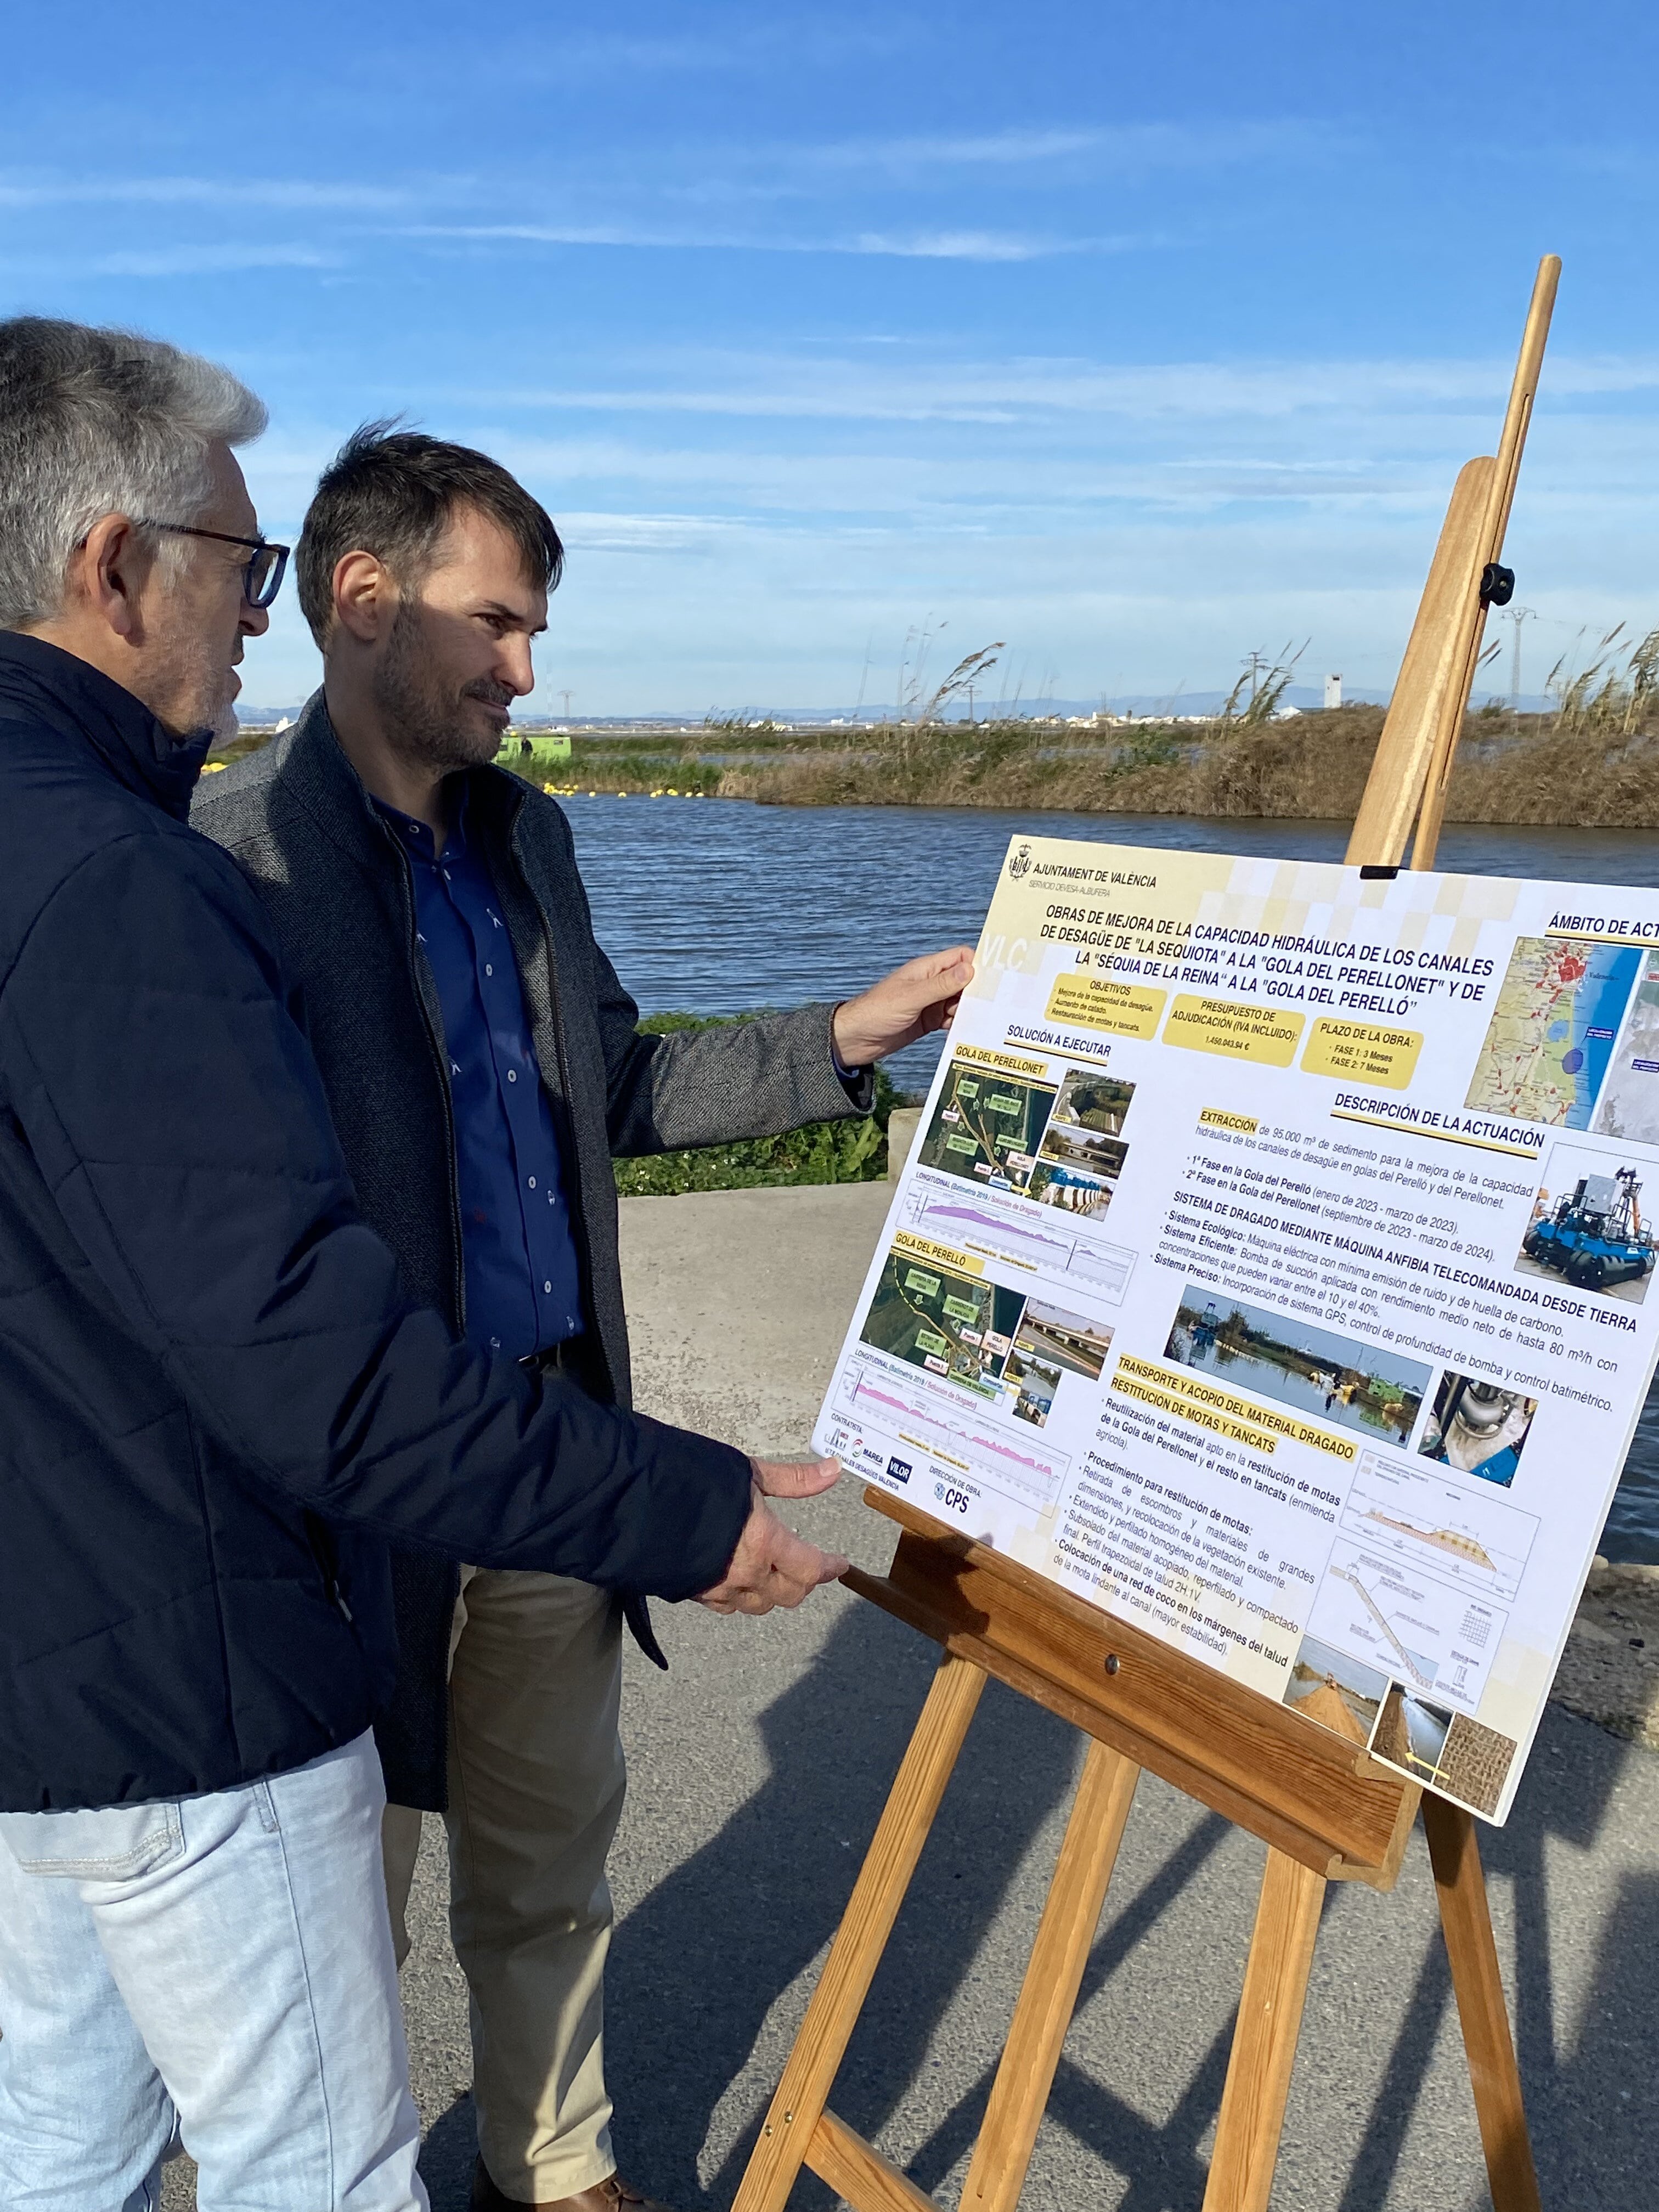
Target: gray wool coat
{"points": [[339, 893]]}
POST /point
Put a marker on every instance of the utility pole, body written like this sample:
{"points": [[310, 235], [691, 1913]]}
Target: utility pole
{"points": [[565, 696], [1517, 616], [1258, 661]]}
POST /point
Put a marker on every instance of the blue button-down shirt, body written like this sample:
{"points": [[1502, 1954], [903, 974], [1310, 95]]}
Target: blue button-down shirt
{"points": [[523, 1279]]}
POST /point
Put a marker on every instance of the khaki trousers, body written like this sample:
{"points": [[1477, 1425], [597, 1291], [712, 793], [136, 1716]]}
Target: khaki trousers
{"points": [[536, 1783]]}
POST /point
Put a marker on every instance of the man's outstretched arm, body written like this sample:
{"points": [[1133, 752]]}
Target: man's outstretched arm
{"points": [[759, 1078]]}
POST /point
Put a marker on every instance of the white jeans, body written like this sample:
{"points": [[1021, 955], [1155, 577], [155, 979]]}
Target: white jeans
{"points": [[218, 1970]]}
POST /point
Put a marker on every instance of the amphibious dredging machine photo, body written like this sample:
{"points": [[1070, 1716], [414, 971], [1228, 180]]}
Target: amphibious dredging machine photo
{"points": [[1595, 1238]]}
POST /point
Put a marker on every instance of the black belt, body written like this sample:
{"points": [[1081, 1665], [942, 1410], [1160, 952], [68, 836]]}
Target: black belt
{"points": [[572, 1356]]}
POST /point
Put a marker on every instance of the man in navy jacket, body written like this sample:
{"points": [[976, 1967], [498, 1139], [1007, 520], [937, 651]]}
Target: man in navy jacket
{"points": [[218, 1402], [483, 1063]]}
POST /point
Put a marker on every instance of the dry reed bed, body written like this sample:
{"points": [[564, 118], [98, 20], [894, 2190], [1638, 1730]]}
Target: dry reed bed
{"points": [[1309, 768]]}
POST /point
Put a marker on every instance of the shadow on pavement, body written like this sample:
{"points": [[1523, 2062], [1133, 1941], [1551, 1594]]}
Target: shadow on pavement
{"points": [[698, 1966], [1591, 2130]]}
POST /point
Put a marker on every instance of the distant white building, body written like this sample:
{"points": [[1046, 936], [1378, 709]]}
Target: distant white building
{"points": [[1333, 691]]}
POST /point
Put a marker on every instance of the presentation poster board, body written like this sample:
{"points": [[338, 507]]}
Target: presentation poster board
{"points": [[1273, 1270]]}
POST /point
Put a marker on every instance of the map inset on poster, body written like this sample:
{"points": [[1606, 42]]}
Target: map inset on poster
{"points": [[1552, 1034], [930, 1309], [1629, 1100], [1268, 1272], [988, 1120]]}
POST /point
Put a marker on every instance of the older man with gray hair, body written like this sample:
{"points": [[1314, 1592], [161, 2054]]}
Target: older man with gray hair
{"points": [[219, 1403]]}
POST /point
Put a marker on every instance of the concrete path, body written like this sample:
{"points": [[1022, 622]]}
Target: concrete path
{"points": [[759, 1765]]}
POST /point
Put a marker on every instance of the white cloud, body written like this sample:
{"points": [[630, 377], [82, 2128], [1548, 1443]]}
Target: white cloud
{"points": [[920, 244], [171, 261], [210, 260], [1370, 404], [38, 190], [975, 245]]}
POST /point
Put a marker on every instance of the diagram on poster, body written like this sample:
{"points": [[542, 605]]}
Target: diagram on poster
{"points": [[1270, 1271]]}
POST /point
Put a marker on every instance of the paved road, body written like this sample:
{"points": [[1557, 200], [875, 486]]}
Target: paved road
{"points": [[759, 1765]]}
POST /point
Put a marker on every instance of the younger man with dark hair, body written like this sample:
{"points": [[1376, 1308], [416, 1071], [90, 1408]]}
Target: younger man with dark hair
{"points": [[483, 1064]]}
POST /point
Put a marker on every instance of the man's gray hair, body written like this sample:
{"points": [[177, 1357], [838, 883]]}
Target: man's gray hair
{"points": [[96, 422]]}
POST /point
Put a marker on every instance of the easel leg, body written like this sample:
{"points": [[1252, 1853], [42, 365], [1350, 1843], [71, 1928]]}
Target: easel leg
{"points": [[1047, 1995], [861, 1938], [1466, 1919], [1264, 2041]]}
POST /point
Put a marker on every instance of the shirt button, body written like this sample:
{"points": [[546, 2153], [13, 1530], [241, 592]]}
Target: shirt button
{"points": [[547, 1286], [511, 1074], [488, 970], [533, 1183], [494, 1343]]}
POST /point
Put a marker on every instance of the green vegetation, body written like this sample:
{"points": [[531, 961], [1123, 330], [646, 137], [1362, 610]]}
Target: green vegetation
{"points": [[822, 1151]]}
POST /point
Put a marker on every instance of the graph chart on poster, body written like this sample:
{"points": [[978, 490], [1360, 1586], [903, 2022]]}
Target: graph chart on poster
{"points": [[1271, 1269]]}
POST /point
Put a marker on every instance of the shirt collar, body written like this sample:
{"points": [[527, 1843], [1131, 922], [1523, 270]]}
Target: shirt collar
{"points": [[416, 836]]}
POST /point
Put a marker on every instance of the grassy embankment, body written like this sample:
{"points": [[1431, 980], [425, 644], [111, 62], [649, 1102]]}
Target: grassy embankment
{"points": [[824, 1152], [1553, 769]]}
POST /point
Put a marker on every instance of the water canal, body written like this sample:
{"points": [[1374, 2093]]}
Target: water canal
{"points": [[712, 906]]}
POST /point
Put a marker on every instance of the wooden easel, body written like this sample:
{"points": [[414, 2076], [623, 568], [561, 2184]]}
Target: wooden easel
{"points": [[1325, 1812]]}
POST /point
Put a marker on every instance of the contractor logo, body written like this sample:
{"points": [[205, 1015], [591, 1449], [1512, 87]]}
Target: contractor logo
{"points": [[899, 1469], [1021, 864]]}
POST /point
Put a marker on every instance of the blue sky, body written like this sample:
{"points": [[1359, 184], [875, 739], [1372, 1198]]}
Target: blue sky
{"points": [[1136, 336]]}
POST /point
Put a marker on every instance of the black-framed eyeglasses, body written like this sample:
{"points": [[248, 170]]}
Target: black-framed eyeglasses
{"points": [[267, 564]]}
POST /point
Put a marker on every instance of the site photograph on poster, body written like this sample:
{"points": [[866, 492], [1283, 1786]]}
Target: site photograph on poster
{"points": [[1271, 1270]]}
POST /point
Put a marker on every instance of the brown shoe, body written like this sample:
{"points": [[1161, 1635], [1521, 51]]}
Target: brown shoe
{"points": [[613, 2194]]}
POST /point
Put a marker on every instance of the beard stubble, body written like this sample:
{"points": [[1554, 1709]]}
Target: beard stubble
{"points": [[419, 711]]}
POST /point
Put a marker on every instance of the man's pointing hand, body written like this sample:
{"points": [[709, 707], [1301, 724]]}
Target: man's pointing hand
{"points": [[910, 1003], [772, 1566]]}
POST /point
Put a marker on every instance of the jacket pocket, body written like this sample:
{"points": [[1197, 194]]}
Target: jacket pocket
{"points": [[108, 1842]]}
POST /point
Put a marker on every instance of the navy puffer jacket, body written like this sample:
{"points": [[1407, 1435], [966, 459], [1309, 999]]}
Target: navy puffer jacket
{"points": [[208, 1368]]}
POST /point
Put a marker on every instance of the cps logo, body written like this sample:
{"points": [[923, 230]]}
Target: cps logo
{"points": [[954, 1501]]}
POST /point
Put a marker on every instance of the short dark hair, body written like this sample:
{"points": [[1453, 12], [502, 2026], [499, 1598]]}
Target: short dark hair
{"points": [[392, 493]]}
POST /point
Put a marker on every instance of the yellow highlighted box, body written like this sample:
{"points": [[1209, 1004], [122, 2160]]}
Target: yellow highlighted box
{"points": [[1363, 1052], [1219, 1424], [1094, 1002], [1243, 1125], [1013, 1063], [1189, 1390], [1267, 1035], [921, 1247]]}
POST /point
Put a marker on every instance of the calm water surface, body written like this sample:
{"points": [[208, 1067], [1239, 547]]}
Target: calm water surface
{"points": [[713, 906]]}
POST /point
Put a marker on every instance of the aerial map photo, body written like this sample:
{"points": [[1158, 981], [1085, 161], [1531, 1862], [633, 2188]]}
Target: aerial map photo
{"points": [[1551, 1032], [1630, 1102]]}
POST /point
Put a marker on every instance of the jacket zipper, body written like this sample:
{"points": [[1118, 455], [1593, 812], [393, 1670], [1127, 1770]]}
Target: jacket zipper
{"points": [[574, 1177], [441, 1063]]}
